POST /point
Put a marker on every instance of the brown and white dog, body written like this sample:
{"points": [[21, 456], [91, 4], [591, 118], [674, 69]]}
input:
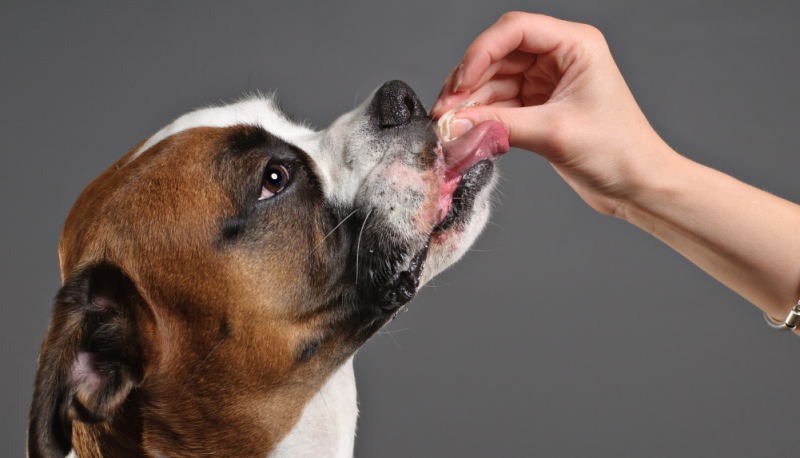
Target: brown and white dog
{"points": [[219, 278]]}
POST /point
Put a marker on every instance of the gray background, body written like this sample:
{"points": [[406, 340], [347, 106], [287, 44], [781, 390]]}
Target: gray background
{"points": [[563, 333]]}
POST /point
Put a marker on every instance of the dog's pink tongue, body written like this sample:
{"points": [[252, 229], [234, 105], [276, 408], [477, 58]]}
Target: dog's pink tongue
{"points": [[487, 140]]}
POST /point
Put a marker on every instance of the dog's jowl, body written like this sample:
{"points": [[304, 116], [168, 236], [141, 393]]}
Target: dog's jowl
{"points": [[218, 279]]}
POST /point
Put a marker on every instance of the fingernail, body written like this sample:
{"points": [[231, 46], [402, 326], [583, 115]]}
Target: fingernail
{"points": [[436, 106], [459, 127], [459, 77]]}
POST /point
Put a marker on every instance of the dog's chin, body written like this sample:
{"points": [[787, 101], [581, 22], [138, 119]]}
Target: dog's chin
{"points": [[464, 199], [449, 244], [455, 212]]}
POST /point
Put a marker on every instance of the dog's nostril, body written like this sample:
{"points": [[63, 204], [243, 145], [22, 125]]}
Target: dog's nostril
{"points": [[397, 104], [411, 103]]}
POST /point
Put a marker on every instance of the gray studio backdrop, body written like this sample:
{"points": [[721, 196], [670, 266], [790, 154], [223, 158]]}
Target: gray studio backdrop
{"points": [[563, 333]]}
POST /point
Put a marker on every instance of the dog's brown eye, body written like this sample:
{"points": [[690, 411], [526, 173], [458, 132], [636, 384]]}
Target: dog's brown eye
{"points": [[275, 179]]}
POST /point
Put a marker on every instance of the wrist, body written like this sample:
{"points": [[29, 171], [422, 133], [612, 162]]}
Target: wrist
{"points": [[657, 178]]}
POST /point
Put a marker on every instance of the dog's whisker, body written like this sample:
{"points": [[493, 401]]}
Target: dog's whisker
{"points": [[250, 77], [385, 331], [358, 245], [322, 395], [495, 201], [331, 232], [345, 373], [436, 284], [201, 364], [501, 227], [393, 340]]}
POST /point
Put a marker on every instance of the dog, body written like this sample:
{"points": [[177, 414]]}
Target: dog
{"points": [[219, 278]]}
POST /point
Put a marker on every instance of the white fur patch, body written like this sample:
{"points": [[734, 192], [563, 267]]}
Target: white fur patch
{"points": [[355, 168], [328, 425], [256, 111]]}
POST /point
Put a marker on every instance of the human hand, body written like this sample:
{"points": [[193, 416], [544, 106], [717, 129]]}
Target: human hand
{"points": [[555, 87]]}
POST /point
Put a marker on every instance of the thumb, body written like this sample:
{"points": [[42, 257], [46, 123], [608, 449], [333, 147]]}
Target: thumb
{"points": [[528, 127]]}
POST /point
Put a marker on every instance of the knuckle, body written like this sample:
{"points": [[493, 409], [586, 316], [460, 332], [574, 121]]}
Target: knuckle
{"points": [[519, 132], [593, 33], [508, 123], [512, 16]]}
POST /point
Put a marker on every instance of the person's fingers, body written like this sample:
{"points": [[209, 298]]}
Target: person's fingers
{"points": [[530, 33], [447, 99], [527, 89], [503, 91], [500, 89], [436, 110], [514, 35], [446, 102], [513, 103], [516, 62]]}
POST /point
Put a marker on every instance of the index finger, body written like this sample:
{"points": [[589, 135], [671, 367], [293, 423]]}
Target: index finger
{"points": [[531, 33]]}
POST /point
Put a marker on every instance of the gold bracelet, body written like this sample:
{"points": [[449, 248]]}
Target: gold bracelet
{"points": [[789, 324]]}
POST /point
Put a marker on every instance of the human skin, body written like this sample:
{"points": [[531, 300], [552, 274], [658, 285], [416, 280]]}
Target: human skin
{"points": [[556, 88]]}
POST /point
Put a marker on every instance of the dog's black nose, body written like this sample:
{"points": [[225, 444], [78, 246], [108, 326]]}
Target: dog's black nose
{"points": [[397, 104]]}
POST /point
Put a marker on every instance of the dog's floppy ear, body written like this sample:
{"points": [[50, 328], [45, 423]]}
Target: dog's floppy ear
{"points": [[91, 359]]}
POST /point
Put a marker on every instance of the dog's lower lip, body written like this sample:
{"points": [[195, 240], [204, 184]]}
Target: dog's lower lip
{"points": [[470, 183], [485, 142]]}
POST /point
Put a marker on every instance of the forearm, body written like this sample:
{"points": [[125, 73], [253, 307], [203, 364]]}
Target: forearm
{"points": [[744, 237]]}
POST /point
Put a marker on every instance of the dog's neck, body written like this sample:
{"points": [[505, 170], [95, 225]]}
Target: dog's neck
{"points": [[326, 428], [328, 425]]}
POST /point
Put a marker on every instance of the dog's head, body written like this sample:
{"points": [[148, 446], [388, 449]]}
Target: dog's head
{"points": [[218, 274]]}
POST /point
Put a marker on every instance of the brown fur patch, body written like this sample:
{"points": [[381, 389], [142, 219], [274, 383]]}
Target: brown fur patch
{"points": [[223, 376]]}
